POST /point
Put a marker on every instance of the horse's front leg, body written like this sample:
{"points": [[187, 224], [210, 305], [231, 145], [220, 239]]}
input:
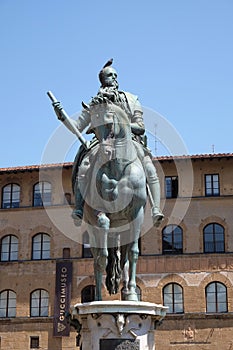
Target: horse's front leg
{"points": [[104, 225], [97, 274]]}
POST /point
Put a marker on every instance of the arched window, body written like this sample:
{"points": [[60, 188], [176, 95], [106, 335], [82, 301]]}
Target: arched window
{"points": [[86, 246], [172, 240], [173, 298], [216, 297], [10, 196], [9, 248], [88, 294], [42, 194], [214, 241], [41, 247], [39, 303], [7, 303]]}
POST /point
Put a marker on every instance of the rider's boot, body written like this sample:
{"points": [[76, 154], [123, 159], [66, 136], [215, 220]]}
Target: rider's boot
{"points": [[77, 213], [154, 188], [157, 215]]}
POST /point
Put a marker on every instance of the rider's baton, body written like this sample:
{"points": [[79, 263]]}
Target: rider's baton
{"points": [[68, 122]]}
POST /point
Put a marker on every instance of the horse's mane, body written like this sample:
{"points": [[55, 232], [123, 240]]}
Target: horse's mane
{"points": [[101, 100]]}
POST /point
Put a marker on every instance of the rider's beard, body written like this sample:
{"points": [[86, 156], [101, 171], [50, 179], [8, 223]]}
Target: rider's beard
{"points": [[116, 85], [113, 85]]}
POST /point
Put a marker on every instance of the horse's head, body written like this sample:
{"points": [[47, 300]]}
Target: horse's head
{"points": [[108, 120]]}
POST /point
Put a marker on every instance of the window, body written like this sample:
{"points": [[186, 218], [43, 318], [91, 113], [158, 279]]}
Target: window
{"points": [[212, 185], [216, 297], [41, 246], [67, 198], [86, 246], [42, 194], [7, 303], [214, 239], [9, 248], [66, 253], [88, 294], [34, 343], [173, 298], [39, 303], [172, 240], [171, 186], [11, 196]]}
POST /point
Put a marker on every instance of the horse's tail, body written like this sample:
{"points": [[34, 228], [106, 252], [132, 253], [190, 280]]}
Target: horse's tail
{"points": [[113, 270]]}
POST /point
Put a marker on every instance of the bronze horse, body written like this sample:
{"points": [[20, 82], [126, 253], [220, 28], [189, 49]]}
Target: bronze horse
{"points": [[115, 199]]}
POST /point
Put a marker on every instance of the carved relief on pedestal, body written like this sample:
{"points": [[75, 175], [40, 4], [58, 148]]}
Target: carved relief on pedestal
{"points": [[119, 325]]}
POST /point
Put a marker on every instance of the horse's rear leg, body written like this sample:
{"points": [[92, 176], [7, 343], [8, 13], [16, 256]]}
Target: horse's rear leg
{"points": [[125, 271], [101, 253], [133, 258]]}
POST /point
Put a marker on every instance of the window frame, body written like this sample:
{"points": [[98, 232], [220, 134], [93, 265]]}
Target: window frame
{"points": [[214, 242], [42, 250], [216, 297], [37, 341], [41, 194], [66, 253], [8, 307], [173, 250], [174, 302], [10, 251], [174, 187], [40, 300], [12, 192], [212, 188]]}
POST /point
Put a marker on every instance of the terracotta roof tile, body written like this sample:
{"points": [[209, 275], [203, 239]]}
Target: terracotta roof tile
{"points": [[196, 156], [35, 167], [69, 164]]}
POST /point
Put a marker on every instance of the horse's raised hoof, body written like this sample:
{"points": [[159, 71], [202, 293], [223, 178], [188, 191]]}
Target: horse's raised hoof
{"points": [[77, 217], [157, 219]]}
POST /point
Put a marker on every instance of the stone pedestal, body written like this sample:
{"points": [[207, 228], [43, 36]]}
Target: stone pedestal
{"points": [[118, 325]]}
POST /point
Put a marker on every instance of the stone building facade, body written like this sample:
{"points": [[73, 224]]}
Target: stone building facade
{"points": [[186, 264]]}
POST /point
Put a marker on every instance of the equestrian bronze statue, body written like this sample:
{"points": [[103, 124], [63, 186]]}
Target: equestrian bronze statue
{"points": [[111, 178]]}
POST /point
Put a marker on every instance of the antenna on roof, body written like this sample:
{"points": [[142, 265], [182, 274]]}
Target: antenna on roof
{"points": [[213, 150]]}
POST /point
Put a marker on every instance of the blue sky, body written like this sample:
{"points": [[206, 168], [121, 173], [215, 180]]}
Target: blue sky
{"points": [[176, 55]]}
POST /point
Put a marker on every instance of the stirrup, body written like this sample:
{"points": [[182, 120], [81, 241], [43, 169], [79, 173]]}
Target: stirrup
{"points": [[77, 216]]}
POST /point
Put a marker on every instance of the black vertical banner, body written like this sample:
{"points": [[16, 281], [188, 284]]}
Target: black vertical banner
{"points": [[61, 327]]}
